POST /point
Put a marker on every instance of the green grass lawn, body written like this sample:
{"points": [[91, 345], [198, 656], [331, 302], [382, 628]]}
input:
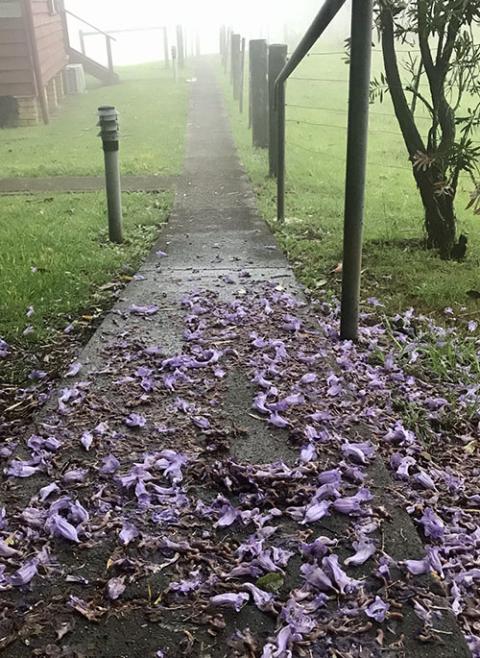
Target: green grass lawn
{"points": [[396, 269], [148, 101], [55, 256]]}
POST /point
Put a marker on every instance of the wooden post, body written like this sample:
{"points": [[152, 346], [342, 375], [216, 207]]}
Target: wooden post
{"points": [[166, 50], [223, 46], [250, 84], [236, 66], [277, 58], [197, 45], [259, 82], [174, 63], [180, 47], [242, 75]]}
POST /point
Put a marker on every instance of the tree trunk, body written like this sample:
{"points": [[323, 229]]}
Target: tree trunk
{"points": [[440, 219]]}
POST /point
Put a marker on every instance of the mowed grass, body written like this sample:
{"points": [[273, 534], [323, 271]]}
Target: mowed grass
{"points": [[55, 255], [153, 111], [396, 268]]}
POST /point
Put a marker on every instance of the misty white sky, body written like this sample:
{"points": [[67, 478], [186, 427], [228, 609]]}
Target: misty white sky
{"points": [[252, 18]]}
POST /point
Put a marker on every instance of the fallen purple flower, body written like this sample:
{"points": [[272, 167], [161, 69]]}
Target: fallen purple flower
{"points": [[135, 420], [365, 549], [151, 309], [25, 574], [230, 600], [116, 587], [74, 369], [418, 567], [60, 527], [377, 610], [128, 533]]}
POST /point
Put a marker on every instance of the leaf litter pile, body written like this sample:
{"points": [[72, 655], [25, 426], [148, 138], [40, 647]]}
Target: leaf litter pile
{"points": [[128, 499]]}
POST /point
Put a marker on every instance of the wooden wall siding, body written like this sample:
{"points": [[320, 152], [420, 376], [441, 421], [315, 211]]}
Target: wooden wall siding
{"points": [[50, 39], [16, 74]]}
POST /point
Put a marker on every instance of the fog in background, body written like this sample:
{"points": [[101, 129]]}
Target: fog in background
{"points": [[275, 20]]}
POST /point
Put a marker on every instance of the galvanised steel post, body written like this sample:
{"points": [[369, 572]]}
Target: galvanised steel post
{"points": [[108, 122], [259, 90], [166, 49], [281, 120], [277, 58], [242, 75], [360, 72], [180, 47]]}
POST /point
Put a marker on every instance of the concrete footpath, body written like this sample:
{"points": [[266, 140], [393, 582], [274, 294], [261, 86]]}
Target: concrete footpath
{"points": [[189, 506]]}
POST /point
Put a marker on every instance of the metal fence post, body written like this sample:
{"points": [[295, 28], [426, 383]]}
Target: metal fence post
{"points": [[280, 107], [242, 76], [166, 49], [259, 83], [250, 84], [277, 58], [236, 66], [180, 47], [174, 63], [108, 122], [360, 71]]}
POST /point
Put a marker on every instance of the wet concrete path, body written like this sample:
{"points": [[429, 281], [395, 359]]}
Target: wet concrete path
{"points": [[215, 243]]}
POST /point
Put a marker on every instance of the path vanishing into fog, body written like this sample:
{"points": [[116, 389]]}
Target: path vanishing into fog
{"points": [[208, 481]]}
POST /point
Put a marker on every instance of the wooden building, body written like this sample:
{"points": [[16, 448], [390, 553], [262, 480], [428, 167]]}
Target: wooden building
{"points": [[34, 50]]}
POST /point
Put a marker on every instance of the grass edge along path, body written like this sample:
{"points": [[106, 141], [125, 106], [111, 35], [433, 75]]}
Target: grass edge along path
{"points": [[396, 268]]}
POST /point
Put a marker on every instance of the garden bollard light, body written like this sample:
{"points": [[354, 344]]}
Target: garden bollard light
{"points": [[110, 138]]}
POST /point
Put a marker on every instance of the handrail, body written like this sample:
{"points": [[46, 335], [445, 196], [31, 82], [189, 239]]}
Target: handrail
{"points": [[130, 29], [358, 112], [94, 27], [323, 19]]}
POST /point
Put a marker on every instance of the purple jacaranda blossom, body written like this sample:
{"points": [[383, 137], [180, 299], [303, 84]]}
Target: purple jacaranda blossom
{"points": [[37, 375], [110, 465], [377, 610], [60, 527], [230, 600], [33, 517], [171, 463], [101, 429], [318, 548], [335, 386], [291, 323], [418, 567], [7, 450], [338, 576], [187, 585], [352, 504], [38, 443], [333, 476], [353, 473], [23, 469], [308, 453], [4, 349], [403, 470], [263, 600], [116, 587], [149, 309], [128, 533], [75, 475], [259, 403], [398, 434], [309, 378], [7, 551], [433, 526], [278, 421], [161, 254], [135, 420], [201, 422], [360, 453], [434, 404], [86, 440], [28, 330], [46, 491], [25, 574], [78, 513], [316, 577], [30, 312], [74, 369], [160, 654], [423, 479], [365, 549], [228, 516], [294, 400], [316, 511]]}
